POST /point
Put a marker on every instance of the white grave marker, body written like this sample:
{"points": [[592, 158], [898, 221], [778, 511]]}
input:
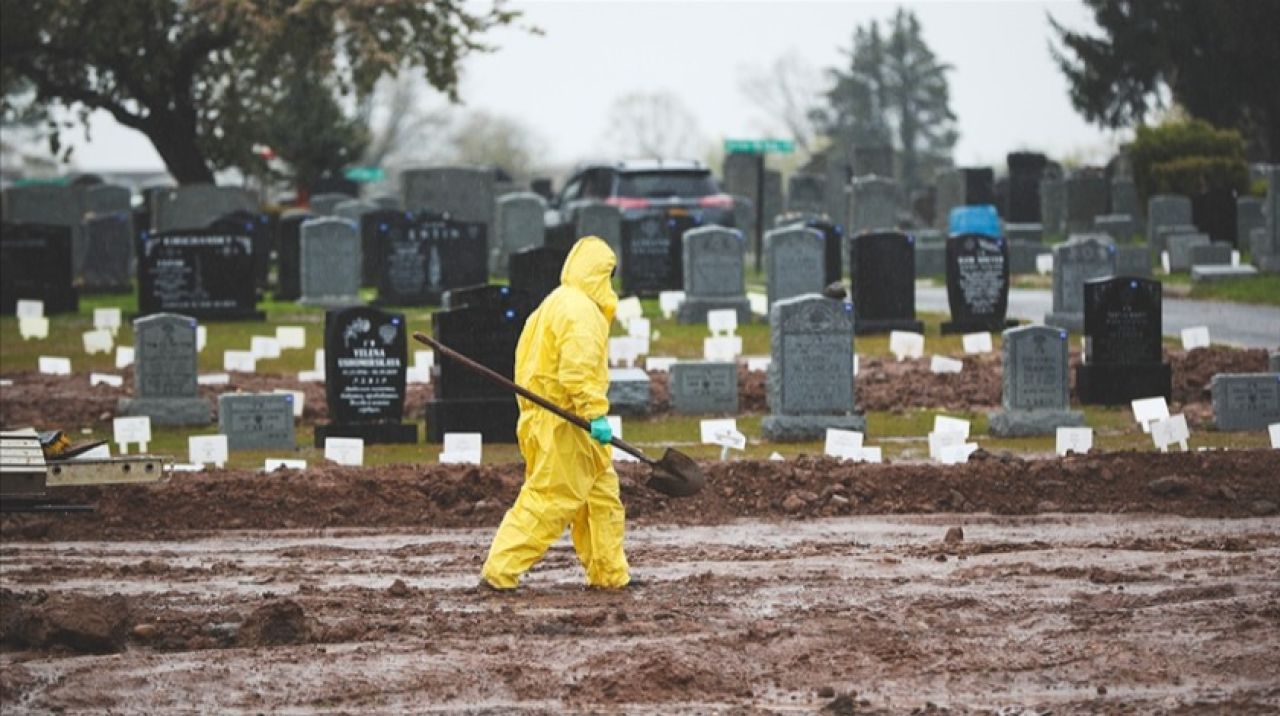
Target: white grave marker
{"points": [[416, 374], [975, 343], [207, 450], [777, 457], [659, 364], [872, 455], [623, 350], [33, 328], [124, 357], [299, 400], [722, 321], [29, 308], [264, 347], [54, 365], [345, 451], [1164, 261], [1076, 440], [239, 361], [107, 319], [310, 376], [759, 303], [1148, 410], [202, 337], [943, 364], [98, 341], [947, 424], [940, 441], [758, 363], [722, 432], [956, 454], [844, 444], [272, 464], [1197, 337], [131, 430], [615, 424], [1171, 430], [1044, 264], [318, 363], [114, 381], [462, 448], [291, 337], [722, 348], [213, 379], [855, 363], [628, 308], [904, 344], [669, 302], [424, 359], [1274, 431]]}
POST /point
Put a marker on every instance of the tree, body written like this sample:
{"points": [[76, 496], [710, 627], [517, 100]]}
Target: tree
{"points": [[1218, 60], [403, 123], [785, 92], [203, 78], [309, 131], [894, 92], [654, 125], [482, 138]]}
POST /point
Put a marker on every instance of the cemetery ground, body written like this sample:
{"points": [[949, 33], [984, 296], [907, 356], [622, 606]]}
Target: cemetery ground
{"points": [[1015, 583]]}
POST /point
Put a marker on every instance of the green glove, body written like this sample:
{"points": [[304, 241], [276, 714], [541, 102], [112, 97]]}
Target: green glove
{"points": [[601, 432]]}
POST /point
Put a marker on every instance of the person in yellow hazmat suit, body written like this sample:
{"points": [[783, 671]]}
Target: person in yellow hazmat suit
{"points": [[569, 478]]}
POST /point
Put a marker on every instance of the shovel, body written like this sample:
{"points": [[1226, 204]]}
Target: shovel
{"points": [[675, 474]]}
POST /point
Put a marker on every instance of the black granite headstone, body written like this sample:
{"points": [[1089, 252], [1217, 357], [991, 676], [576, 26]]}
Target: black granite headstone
{"points": [[465, 401], [108, 253], [198, 273], [651, 259], [289, 251], [458, 254], [377, 230], [977, 283], [35, 263], [979, 185], [536, 272], [365, 363], [488, 296], [259, 230], [407, 275], [1123, 357], [1214, 213], [1025, 172], [882, 269]]}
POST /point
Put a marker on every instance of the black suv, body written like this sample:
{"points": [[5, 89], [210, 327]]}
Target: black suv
{"points": [[680, 189]]}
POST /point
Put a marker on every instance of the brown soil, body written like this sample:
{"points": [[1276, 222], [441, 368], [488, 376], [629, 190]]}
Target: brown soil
{"points": [[1192, 370], [96, 625]]}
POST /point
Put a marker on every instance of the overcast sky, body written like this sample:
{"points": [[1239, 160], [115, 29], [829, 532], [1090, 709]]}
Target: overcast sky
{"points": [[1005, 90]]}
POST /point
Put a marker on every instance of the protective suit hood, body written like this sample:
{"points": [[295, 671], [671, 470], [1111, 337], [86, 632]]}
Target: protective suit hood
{"points": [[589, 268]]}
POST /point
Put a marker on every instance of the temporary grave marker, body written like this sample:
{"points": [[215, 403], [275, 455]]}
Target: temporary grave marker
{"points": [[131, 430], [722, 321], [183, 467], [54, 365], [759, 303], [723, 432], [207, 450], [777, 457], [202, 338], [758, 363], [30, 328], [975, 343], [1076, 440], [239, 361], [628, 308], [107, 319], [871, 454], [855, 364], [659, 364], [124, 356], [1274, 430], [946, 424], [669, 302], [319, 361], [115, 381], [1164, 261], [28, 308], [1147, 410], [721, 348], [98, 341], [264, 347], [1167, 431], [290, 337], [417, 374], [956, 454], [299, 400], [272, 464], [424, 359], [213, 379], [623, 350], [943, 364], [615, 424], [844, 444], [311, 376], [904, 344], [462, 448], [1197, 337], [639, 328], [345, 451]]}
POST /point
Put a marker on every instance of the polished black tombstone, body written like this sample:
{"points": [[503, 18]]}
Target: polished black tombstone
{"points": [[882, 269], [1123, 354], [289, 252], [977, 283], [407, 275], [379, 229], [365, 365], [259, 230], [651, 259], [536, 272], [201, 273], [457, 253], [465, 402], [35, 264]]}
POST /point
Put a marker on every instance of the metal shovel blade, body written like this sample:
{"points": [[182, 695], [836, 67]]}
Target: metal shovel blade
{"points": [[676, 475]]}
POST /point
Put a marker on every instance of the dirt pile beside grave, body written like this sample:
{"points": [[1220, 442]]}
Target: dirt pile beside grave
{"points": [[1220, 484], [1192, 370], [91, 624], [887, 384]]}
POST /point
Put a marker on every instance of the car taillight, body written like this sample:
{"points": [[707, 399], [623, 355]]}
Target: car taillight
{"points": [[627, 202], [716, 201]]}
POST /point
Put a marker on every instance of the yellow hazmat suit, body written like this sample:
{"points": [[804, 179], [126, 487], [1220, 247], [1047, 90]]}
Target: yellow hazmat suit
{"points": [[569, 478]]}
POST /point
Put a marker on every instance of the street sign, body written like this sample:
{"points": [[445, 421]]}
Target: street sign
{"points": [[759, 146], [364, 174]]}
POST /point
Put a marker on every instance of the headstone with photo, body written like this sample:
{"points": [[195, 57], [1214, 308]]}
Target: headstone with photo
{"points": [[1123, 356], [1036, 391], [1082, 258], [201, 273], [882, 269], [1245, 401], [457, 253], [329, 270], [518, 225], [795, 263], [36, 264], [405, 269], [704, 387], [257, 421], [365, 360], [977, 283], [164, 362], [810, 384], [536, 272], [714, 259]]}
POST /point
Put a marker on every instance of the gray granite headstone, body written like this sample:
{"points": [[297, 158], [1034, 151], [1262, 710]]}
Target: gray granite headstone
{"points": [[795, 262], [1264, 244], [1165, 210], [387, 202], [1053, 209], [703, 387], [1022, 255], [1124, 197], [630, 390], [1215, 254], [1213, 272], [950, 195], [1273, 362], [713, 273], [873, 204], [165, 372], [520, 225], [257, 421], [1120, 227], [1035, 398], [1248, 217], [330, 263], [596, 218], [105, 199], [465, 193], [806, 193], [1180, 246], [53, 204], [196, 205], [1033, 233], [327, 204], [810, 384], [1245, 401], [352, 209], [931, 253], [835, 178], [1087, 195], [1133, 260], [108, 252], [1080, 259]]}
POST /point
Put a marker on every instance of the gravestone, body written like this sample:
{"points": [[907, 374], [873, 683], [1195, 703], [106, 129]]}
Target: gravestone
{"points": [[51, 205], [810, 383], [1245, 401], [713, 258], [931, 252], [1264, 244], [1214, 211], [1220, 272], [35, 263], [378, 229], [1215, 254], [630, 390], [326, 204], [388, 202], [486, 331], [1120, 227], [105, 199], [1123, 358], [257, 421], [650, 260], [1036, 392], [1160, 239], [519, 225], [353, 209], [979, 186], [1273, 362], [365, 351], [1180, 246], [1248, 217], [1053, 205], [795, 262], [203, 273], [488, 296], [596, 218], [289, 246], [977, 283], [1022, 256], [1133, 260], [1081, 258], [536, 272], [1025, 170], [1027, 233], [164, 379], [833, 242], [704, 387], [835, 179], [329, 272], [806, 193], [1165, 210], [873, 204], [882, 269], [1087, 195], [108, 264], [404, 264], [950, 194], [259, 230], [465, 194], [1124, 199], [192, 206], [457, 253]]}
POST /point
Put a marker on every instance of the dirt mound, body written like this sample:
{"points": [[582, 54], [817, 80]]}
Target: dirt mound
{"points": [[1220, 484], [91, 624], [1192, 370], [886, 384], [276, 623]]}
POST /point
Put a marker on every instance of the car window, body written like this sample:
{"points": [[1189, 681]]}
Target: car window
{"points": [[656, 185], [598, 184], [572, 191]]}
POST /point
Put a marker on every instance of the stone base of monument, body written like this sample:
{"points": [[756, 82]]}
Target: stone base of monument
{"points": [[494, 418], [372, 434], [331, 301], [867, 326], [1118, 384], [630, 390], [1073, 322], [994, 326], [1211, 273], [168, 411], [693, 309], [1024, 423], [806, 428]]}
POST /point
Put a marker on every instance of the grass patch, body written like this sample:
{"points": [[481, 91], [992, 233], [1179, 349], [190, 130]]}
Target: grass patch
{"points": [[1261, 289]]}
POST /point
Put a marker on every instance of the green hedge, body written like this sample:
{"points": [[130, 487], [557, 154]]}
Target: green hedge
{"points": [[1193, 175], [1187, 158]]}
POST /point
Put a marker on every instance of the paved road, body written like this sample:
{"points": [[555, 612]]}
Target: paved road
{"points": [[1233, 323]]}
